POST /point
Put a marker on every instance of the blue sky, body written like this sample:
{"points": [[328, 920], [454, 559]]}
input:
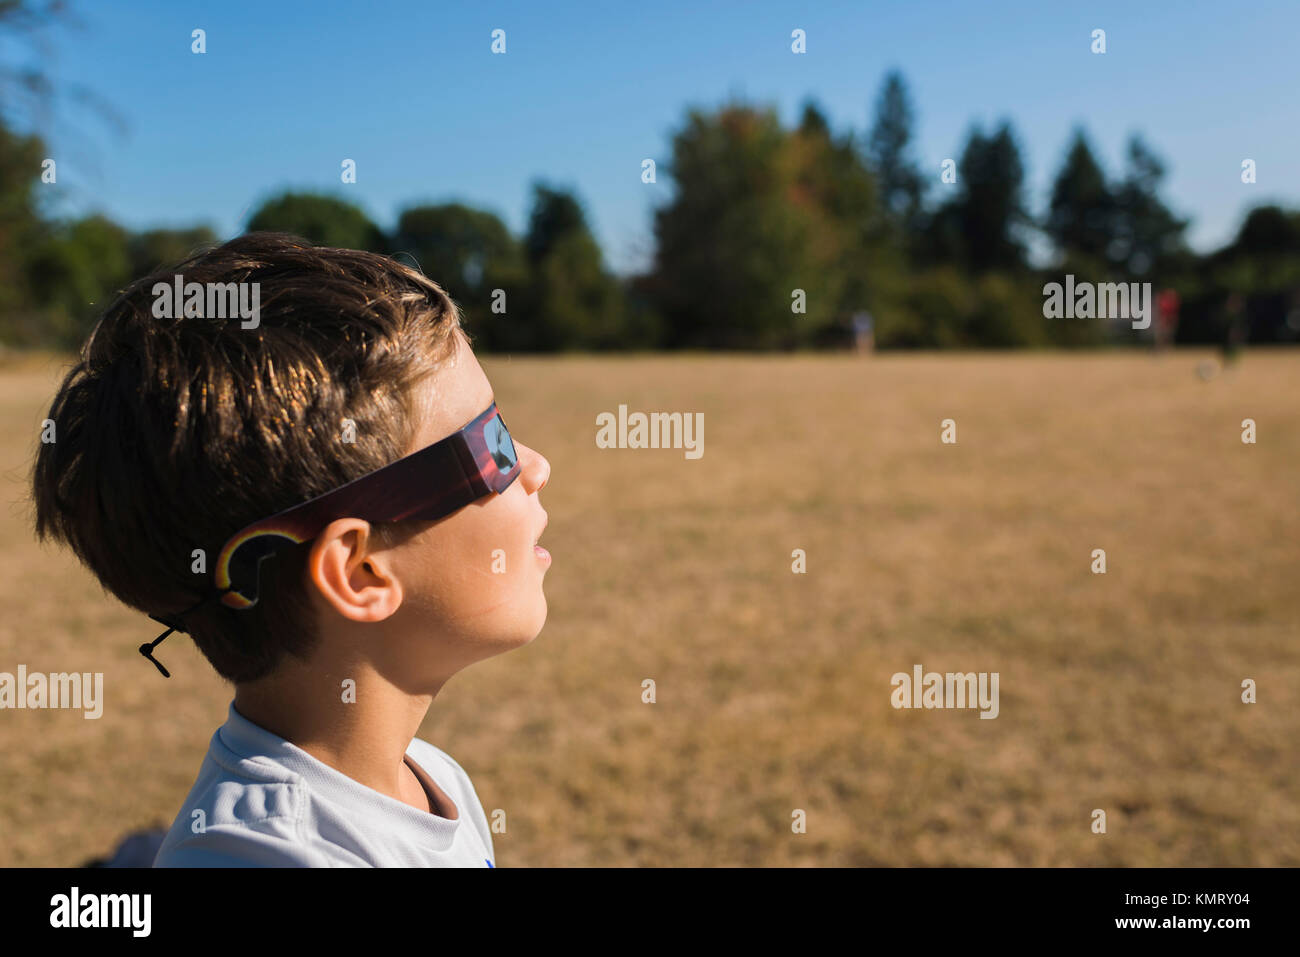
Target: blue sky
{"points": [[411, 91]]}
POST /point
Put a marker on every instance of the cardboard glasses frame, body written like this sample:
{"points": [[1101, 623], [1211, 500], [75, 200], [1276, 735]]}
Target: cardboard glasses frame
{"points": [[442, 478]]}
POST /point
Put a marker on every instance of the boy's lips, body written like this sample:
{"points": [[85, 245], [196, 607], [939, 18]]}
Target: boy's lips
{"points": [[537, 549]]}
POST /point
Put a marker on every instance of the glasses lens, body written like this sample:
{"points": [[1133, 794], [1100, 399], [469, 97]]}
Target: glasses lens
{"points": [[500, 444]]}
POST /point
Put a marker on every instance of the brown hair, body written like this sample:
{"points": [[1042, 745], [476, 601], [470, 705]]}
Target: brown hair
{"points": [[173, 434]]}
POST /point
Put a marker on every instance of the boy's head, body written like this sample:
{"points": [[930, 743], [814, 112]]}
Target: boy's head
{"points": [[170, 435]]}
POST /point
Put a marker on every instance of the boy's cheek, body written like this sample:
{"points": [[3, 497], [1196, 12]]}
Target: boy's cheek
{"points": [[479, 559]]}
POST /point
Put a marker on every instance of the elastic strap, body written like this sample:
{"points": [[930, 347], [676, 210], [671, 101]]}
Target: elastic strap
{"points": [[173, 623]]}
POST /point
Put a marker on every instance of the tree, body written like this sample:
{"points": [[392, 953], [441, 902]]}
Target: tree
{"points": [[470, 254], [1268, 231], [34, 308], [555, 214], [75, 270], [759, 214], [571, 300], [455, 245], [28, 94], [20, 227], [1081, 217], [155, 248], [323, 220], [813, 121], [1149, 238], [981, 226], [578, 305], [858, 258], [901, 186]]}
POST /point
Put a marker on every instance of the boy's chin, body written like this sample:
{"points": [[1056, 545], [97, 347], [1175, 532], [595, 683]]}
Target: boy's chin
{"points": [[524, 629], [540, 621]]}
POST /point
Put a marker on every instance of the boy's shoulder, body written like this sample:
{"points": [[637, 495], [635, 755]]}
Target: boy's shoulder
{"points": [[241, 812], [258, 801]]}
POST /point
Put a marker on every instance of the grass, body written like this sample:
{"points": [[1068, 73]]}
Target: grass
{"points": [[1118, 691]]}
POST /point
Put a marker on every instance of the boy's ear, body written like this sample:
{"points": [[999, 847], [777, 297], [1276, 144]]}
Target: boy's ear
{"points": [[353, 572]]}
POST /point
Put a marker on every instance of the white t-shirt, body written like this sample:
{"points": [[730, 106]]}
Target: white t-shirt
{"points": [[268, 803]]}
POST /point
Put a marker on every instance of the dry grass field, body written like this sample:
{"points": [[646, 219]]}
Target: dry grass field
{"points": [[1119, 691]]}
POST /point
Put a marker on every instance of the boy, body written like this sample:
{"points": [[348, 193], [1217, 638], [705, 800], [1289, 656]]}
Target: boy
{"points": [[236, 479]]}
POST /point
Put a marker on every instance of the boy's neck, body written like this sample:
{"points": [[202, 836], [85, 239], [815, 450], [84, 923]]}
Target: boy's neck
{"points": [[365, 739]]}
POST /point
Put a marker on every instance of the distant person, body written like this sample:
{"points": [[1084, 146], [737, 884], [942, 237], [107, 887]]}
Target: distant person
{"points": [[863, 332], [370, 529], [1235, 329], [1167, 322], [1293, 314]]}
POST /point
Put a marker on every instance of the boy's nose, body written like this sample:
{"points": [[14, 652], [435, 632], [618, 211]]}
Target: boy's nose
{"points": [[536, 471]]}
